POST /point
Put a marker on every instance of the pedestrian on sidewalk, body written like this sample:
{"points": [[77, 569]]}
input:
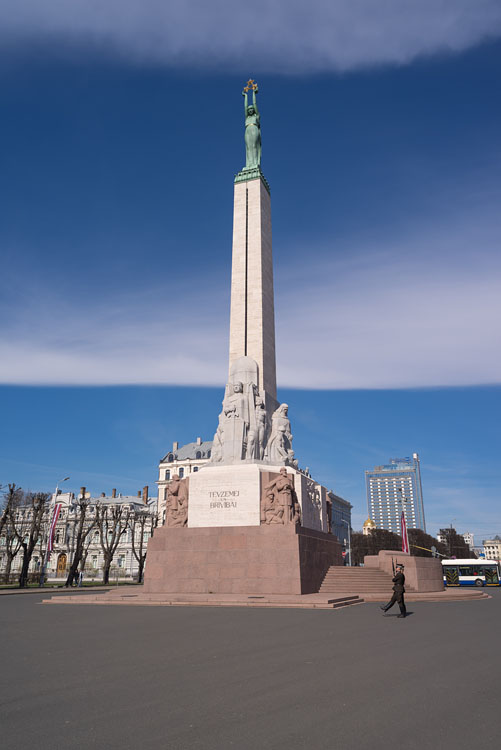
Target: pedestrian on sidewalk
{"points": [[398, 591]]}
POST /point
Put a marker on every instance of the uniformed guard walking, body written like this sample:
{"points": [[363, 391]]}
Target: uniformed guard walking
{"points": [[398, 591]]}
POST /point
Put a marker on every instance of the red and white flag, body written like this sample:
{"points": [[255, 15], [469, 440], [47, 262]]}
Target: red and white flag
{"points": [[55, 516], [405, 538]]}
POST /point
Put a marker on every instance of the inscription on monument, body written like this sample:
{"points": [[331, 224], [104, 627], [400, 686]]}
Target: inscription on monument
{"points": [[224, 496]]}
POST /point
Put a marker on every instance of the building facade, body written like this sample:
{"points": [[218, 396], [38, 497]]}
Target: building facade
{"points": [[394, 487], [340, 516], [124, 563], [468, 537], [492, 548]]}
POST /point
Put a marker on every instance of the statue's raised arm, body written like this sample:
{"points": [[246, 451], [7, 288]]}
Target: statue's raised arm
{"points": [[254, 98], [252, 127]]}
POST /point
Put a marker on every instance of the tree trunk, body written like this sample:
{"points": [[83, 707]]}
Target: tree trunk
{"points": [[73, 568], [106, 569], [23, 577], [8, 566], [140, 569]]}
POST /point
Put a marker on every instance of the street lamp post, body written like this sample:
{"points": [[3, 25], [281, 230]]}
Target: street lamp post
{"points": [[51, 509], [349, 541]]}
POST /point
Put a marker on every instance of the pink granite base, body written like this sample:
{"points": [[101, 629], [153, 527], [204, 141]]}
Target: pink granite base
{"points": [[422, 574], [237, 560]]}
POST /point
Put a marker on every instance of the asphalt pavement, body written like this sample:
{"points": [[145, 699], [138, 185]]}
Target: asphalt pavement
{"points": [[176, 678]]}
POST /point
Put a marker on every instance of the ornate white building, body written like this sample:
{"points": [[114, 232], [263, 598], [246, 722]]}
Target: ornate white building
{"points": [[124, 564], [492, 548]]}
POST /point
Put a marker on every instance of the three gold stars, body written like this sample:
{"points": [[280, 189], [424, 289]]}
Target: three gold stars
{"points": [[250, 85]]}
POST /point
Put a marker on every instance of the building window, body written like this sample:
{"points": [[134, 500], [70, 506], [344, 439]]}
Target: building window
{"points": [[198, 455], [195, 468], [170, 458], [94, 561], [167, 474], [181, 473]]}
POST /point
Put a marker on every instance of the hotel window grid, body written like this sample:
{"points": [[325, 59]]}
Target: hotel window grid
{"points": [[393, 487]]}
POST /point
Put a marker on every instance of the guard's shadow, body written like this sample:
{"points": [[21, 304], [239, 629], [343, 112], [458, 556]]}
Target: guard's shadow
{"points": [[396, 614]]}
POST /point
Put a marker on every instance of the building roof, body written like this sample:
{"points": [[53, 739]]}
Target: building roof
{"points": [[189, 451], [369, 522]]}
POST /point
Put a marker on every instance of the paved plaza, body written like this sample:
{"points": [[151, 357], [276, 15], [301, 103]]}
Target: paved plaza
{"points": [[214, 678]]}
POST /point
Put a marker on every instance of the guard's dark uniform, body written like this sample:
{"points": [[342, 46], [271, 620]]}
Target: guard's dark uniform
{"points": [[398, 594]]}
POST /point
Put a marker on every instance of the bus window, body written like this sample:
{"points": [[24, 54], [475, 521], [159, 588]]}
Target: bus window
{"points": [[466, 570]]}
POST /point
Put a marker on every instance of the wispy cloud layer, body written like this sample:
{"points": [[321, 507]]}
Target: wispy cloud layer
{"points": [[271, 35], [420, 310]]}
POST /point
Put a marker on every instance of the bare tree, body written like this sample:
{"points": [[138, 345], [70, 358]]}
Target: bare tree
{"points": [[12, 547], [142, 524], [84, 523], [27, 522], [85, 552], [112, 522], [11, 499]]}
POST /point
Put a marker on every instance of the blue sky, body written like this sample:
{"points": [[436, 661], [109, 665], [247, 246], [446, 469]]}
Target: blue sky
{"points": [[122, 130]]}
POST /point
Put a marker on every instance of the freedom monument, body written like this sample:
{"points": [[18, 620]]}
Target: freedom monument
{"points": [[250, 521]]}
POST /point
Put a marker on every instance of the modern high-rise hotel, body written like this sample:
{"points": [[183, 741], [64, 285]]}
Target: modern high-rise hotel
{"points": [[392, 488]]}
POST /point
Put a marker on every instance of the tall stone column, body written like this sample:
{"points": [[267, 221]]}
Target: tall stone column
{"points": [[252, 426], [252, 320]]}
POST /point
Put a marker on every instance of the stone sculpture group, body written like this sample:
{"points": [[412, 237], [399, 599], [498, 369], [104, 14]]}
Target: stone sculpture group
{"points": [[245, 432]]}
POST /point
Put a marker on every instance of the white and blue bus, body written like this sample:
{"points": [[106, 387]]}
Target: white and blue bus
{"points": [[471, 572]]}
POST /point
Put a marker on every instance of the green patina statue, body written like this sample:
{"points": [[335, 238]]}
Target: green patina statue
{"points": [[252, 128]]}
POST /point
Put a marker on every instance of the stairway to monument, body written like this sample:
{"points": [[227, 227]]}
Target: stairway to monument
{"points": [[345, 580]]}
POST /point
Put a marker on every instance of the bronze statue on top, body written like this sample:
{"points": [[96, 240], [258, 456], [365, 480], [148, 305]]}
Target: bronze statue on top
{"points": [[252, 127]]}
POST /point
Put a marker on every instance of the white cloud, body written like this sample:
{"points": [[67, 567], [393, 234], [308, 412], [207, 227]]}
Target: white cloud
{"points": [[422, 311], [265, 35]]}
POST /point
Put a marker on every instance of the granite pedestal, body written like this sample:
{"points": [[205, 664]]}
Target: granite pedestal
{"points": [[235, 560]]}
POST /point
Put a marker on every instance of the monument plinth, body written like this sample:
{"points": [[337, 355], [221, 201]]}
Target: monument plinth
{"points": [[250, 520]]}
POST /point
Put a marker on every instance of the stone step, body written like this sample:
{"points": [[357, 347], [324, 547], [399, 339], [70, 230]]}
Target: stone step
{"points": [[339, 580], [312, 601], [353, 579], [356, 576]]}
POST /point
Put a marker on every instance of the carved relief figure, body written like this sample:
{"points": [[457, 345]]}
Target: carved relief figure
{"points": [[271, 511], [283, 490], [280, 444], [257, 426], [260, 427], [217, 443], [176, 502], [234, 404], [234, 422], [297, 514]]}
